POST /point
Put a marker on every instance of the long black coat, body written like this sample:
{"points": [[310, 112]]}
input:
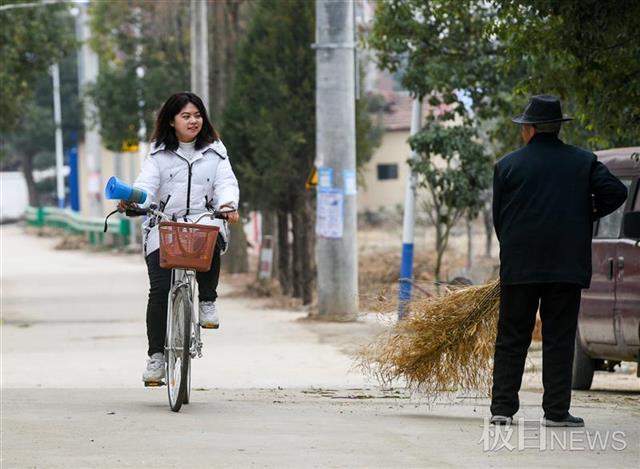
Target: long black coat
{"points": [[546, 196]]}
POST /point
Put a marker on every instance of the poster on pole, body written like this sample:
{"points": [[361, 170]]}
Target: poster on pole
{"points": [[350, 184], [330, 214]]}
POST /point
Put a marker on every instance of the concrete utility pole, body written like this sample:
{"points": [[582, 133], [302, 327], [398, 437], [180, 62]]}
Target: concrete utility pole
{"points": [[142, 130], [336, 247], [88, 73], [57, 119], [406, 268], [199, 51]]}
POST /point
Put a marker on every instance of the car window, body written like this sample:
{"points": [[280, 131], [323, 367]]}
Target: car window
{"points": [[609, 226], [636, 206]]}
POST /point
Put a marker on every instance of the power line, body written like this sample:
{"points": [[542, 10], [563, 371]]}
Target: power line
{"points": [[43, 3]]}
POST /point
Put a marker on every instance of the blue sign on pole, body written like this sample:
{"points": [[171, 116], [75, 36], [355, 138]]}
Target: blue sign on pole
{"points": [[74, 192], [350, 182], [325, 178]]}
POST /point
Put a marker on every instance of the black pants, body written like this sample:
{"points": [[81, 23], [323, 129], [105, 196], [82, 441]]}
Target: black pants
{"points": [[159, 286], [559, 305]]}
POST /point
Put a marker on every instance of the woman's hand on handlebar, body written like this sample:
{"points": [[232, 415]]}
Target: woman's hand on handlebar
{"points": [[232, 217], [125, 205], [229, 213]]}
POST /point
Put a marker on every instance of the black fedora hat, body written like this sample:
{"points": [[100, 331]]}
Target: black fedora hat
{"points": [[542, 109]]}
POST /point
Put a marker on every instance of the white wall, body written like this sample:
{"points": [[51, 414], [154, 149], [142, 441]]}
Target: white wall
{"points": [[387, 193], [14, 197]]}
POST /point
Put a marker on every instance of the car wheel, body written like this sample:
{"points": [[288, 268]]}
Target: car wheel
{"points": [[583, 368]]}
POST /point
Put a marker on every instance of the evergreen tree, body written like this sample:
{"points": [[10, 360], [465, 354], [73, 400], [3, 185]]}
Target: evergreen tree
{"points": [[269, 122]]}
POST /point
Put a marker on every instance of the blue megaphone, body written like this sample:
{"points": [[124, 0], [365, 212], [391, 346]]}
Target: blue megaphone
{"points": [[116, 189]]}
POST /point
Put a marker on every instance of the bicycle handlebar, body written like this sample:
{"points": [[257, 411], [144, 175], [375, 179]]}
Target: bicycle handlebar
{"points": [[135, 212], [153, 211]]}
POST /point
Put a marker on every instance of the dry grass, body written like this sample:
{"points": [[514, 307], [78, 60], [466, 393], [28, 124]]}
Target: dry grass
{"points": [[446, 343], [70, 242], [378, 275]]}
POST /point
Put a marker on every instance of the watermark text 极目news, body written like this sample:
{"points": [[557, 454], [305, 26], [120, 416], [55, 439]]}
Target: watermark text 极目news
{"points": [[528, 434]]}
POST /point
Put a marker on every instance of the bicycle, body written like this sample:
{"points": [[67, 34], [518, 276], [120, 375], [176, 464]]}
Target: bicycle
{"points": [[185, 248]]}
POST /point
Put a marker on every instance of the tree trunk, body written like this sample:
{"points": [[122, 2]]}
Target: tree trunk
{"points": [[284, 260], [439, 250], [230, 18], [298, 250], [27, 168], [488, 228], [236, 260], [308, 266], [217, 48], [469, 243], [269, 229], [238, 15], [268, 225]]}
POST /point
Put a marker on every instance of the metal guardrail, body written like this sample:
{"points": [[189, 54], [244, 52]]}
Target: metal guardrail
{"points": [[91, 227]]}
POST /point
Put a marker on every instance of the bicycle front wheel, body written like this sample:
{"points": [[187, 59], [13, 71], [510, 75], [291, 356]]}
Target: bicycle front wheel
{"points": [[187, 393], [177, 348]]}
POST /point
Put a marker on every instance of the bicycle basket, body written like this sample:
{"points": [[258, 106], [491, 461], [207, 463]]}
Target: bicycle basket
{"points": [[186, 245]]}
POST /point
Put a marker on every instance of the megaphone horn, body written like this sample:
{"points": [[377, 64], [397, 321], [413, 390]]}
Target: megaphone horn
{"points": [[116, 189]]}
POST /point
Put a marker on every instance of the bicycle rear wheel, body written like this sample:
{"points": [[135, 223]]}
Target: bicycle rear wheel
{"points": [[177, 348]]}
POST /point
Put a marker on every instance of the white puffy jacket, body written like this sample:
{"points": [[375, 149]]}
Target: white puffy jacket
{"points": [[208, 177]]}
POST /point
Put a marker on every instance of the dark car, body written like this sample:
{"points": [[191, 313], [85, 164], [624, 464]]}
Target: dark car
{"points": [[609, 320]]}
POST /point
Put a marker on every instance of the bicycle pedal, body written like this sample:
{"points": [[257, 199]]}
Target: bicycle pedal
{"points": [[153, 384]]}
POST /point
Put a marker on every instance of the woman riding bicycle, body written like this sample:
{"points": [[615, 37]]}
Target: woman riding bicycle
{"points": [[187, 171]]}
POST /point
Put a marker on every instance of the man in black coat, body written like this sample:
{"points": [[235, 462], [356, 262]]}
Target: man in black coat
{"points": [[546, 196]]}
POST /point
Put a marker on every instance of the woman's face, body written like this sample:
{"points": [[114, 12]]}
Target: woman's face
{"points": [[187, 123]]}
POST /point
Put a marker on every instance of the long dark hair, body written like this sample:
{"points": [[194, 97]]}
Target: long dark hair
{"points": [[163, 132]]}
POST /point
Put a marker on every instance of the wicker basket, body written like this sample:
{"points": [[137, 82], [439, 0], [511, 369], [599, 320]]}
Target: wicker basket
{"points": [[187, 246]]}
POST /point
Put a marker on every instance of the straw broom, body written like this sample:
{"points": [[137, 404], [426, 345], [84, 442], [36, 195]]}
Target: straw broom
{"points": [[445, 344]]}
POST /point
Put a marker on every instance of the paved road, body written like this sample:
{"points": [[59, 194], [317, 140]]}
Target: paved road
{"points": [[271, 391]]}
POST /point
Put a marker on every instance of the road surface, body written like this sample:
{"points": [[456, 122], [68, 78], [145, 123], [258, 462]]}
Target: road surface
{"points": [[272, 389]]}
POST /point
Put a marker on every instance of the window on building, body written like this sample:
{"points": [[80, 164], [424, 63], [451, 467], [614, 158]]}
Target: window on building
{"points": [[387, 171]]}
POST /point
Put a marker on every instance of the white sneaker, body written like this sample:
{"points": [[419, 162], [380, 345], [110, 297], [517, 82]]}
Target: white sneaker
{"points": [[154, 373], [209, 315]]}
